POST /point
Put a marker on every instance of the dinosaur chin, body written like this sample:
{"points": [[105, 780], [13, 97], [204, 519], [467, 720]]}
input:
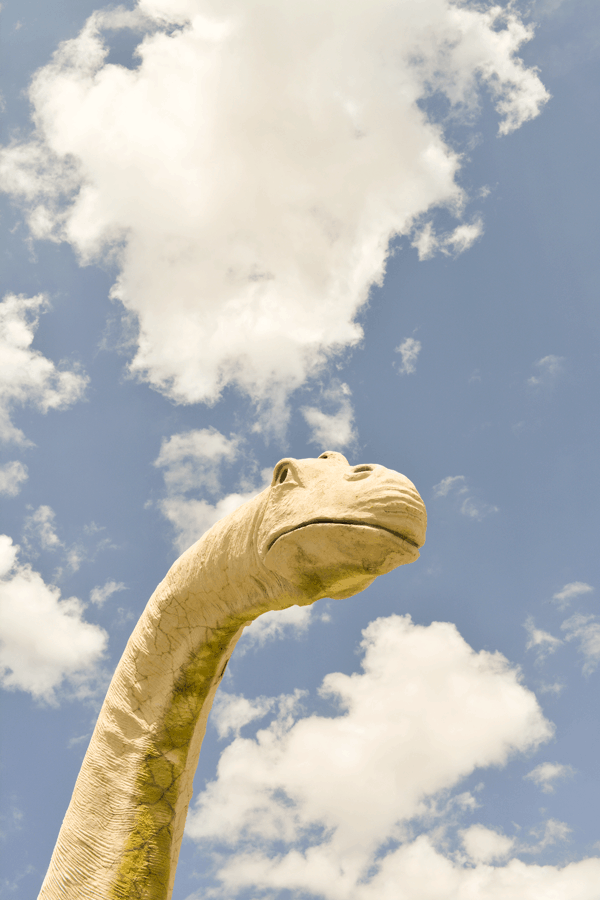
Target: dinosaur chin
{"points": [[337, 559]]}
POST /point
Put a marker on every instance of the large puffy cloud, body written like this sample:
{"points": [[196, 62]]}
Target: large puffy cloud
{"points": [[43, 639], [252, 168], [418, 871], [26, 376], [328, 806]]}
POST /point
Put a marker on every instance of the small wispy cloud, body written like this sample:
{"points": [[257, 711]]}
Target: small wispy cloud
{"points": [[12, 476], [11, 820], [547, 773], [27, 377], [551, 687], [475, 509], [40, 535], [231, 712], [428, 243], [409, 350], [191, 518], [291, 622], [191, 464], [548, 370], [567, 593], [99, 595], [450, 483], [40, 530], [334, 430], [470, 506], [542, 641], [551, 832], [193, 459], [586, 630]]}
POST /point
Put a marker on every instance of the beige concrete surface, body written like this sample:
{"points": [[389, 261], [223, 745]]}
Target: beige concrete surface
{"points": [[322, 529]]}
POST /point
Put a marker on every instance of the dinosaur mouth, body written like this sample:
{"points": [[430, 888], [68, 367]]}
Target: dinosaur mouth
{"points": [[324, 521], [327, 557]]}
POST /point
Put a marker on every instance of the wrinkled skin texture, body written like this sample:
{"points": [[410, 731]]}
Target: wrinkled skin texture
{"points": [[322, 529]]}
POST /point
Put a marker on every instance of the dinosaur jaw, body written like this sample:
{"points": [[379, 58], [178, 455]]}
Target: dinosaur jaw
{"points": [[337, 558]]}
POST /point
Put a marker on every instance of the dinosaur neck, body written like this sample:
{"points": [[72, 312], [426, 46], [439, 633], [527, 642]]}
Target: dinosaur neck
{"points": [[121, 836]]}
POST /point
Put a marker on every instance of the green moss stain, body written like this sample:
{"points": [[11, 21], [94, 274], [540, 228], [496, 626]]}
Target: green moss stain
{"points": [[145, 867], [146, 862]]}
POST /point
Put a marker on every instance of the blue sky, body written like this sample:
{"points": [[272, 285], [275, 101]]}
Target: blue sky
{"points": [[324, 227]]}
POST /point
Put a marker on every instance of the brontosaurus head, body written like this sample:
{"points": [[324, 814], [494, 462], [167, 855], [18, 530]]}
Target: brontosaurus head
{"points": [[330, 528]]}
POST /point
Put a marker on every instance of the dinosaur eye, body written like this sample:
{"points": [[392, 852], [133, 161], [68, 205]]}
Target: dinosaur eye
{"points": [[284, 472]]}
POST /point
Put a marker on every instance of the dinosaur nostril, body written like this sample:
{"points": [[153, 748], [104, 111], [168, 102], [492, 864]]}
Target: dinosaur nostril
{"points": [[362, 469]]}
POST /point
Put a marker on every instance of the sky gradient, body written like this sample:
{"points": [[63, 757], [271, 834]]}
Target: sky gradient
{"points": [[244, 231]]}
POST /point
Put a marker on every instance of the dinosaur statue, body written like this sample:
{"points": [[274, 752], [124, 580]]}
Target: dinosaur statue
{"points": [[322, 529]]}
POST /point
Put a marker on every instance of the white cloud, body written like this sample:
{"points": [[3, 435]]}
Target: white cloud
{"points": [[276, 624], [427, 243], [11, 820], [549, 368], [409, 349], [470, 506], [191, 518], [26, 376], [543, 641], [99, 595], [546, 774], [475, 509], [332, 431], [464, 236], [483, 845], [40, 529], [43, 639], [231, 712], [12, 475], [254, 167], [191, 462], [586, 630], [551, 832], [451, 483], [193, 459], [554, 687], [40, 534], [424, 873], [546, 7], [569, 591], [311, 803]]}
